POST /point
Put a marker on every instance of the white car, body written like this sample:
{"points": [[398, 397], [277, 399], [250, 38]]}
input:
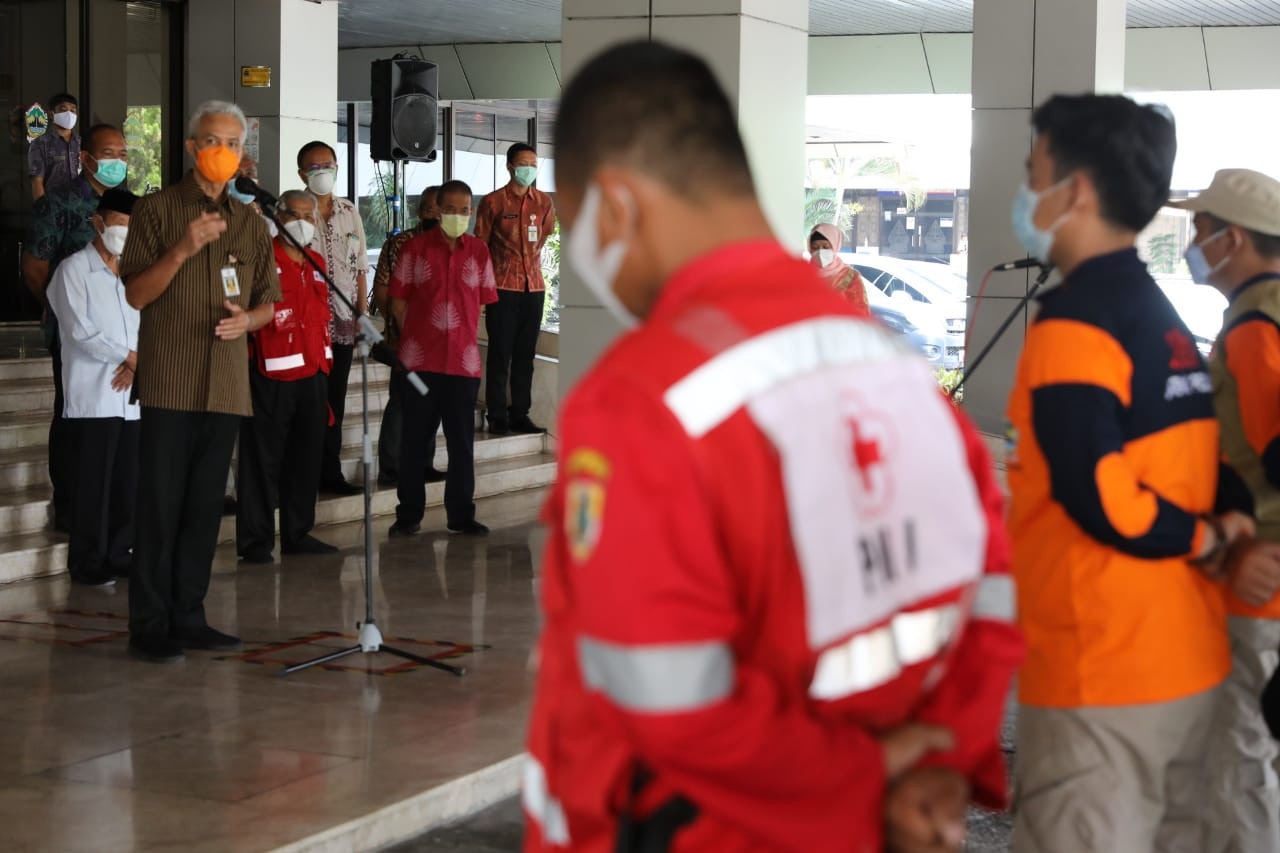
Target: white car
{"points": [[1199, 306], [932, 295]]}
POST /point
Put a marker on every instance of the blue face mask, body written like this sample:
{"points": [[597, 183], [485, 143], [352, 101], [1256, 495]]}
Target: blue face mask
{"points": [[111, 173], [1201, 272], [243, 198], [1037, 242]]}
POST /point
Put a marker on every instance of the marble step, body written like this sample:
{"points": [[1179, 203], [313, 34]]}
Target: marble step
{"points": [[37, 554], [25, 508], [25, 429], [25, 368], [26, 396]]}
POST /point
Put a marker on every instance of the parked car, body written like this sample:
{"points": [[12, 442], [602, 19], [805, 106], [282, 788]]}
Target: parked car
{"points": [[1199, 306], [929, 294], [929, 341]]}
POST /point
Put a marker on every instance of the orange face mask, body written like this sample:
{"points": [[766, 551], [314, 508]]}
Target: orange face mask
{"points": [[217, 163]]}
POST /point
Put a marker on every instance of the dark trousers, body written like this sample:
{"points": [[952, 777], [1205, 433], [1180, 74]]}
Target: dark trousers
{"points": [[393, 427], [277, 465], [451, 400], [185, 458], [106, 496], [331, 459], [62, 451], [513, 324]]}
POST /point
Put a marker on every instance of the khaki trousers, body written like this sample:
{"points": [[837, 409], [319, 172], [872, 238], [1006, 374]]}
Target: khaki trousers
{"points": [[1127, 779], [1245, 786]]}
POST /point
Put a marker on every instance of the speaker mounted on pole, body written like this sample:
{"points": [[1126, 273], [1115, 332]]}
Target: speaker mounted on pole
{"points": [[404, 94]]}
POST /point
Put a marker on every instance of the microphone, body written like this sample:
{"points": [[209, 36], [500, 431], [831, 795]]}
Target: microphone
{"points": [[249, 187], [1024, 264]]}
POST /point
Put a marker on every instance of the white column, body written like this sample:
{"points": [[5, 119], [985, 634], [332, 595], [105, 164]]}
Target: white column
{"points": [[759, 51], [298, 41], [1024, 51]]}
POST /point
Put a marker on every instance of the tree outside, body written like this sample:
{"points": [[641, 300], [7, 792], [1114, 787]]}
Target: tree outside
{"points": [[143, 132]]}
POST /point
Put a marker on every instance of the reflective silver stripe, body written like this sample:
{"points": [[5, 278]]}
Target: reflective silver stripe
{"points": [[286, 362], [712, 393], [996, 599], [875, 658], [664, 679], [542, 807]]}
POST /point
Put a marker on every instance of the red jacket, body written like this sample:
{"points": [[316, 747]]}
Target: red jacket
{"points": [[295, 344], [771, 540]]}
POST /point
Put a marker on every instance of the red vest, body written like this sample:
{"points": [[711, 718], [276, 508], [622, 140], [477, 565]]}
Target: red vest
{"points": [[295, 344]]}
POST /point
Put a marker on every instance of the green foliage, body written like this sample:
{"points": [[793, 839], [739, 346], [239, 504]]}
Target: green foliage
{"points": [[146, 154], [948, 380], [1163, 252], [820, 207], [551, 273]]}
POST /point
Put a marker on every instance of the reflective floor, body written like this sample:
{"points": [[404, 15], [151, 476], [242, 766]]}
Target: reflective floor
{"points": [[104, 753]]}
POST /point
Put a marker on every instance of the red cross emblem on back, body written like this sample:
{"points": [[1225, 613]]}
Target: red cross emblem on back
{"points": [[870, 446]]}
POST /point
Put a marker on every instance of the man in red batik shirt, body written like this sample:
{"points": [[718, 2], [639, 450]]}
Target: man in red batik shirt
{"points": [[443, 277], [515, 222]]}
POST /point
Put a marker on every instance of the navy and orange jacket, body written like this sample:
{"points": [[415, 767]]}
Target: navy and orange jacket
{"points": [[771, 540], [296, 343], [1113, 456], [1246, 386]]}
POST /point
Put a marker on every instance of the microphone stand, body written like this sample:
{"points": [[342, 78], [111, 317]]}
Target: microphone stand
{"points": [[367, 337], [972, 368]]}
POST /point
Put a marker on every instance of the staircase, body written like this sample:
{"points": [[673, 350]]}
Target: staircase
{"points": [[29, 548]]}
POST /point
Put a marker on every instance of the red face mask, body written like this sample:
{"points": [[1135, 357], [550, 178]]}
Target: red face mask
{"points": [[217, 163]]}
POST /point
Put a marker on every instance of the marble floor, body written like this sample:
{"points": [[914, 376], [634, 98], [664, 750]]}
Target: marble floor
{"points": [[104, 753]]}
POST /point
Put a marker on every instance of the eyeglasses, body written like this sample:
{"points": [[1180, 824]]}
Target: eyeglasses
{"points": [[319, 167]]}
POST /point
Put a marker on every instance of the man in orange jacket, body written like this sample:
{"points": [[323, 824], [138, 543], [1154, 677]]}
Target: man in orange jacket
{"points": [[778, 616], [1237, 250], [1113, 471]]}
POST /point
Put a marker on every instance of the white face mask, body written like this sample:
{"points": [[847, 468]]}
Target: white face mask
{"points": [[272, 229], [825, 257], [65, 120], [301, 230], [113, 237], [598, 266], [321, 183]]}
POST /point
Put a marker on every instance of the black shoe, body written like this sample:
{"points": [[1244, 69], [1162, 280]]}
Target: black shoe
{"points": [[154, 648], [499, 428], [341, 488], [122, 570], [388, 481], [206, 639], [307, 545], [257, 558], [469, 528], [94, 580], [403, 528], [434, 476], [524, 426]]}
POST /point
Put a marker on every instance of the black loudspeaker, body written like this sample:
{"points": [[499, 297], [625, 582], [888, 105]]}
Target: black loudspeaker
{"points": [[404, 109]]}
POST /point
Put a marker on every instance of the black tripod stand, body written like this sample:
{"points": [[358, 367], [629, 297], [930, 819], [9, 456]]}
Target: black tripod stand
{"points": [[1004, 327], [367, 337]]}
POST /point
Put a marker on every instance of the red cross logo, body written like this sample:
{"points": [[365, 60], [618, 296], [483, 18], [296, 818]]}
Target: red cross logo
{"points": [[866, 455], [870, 447]]}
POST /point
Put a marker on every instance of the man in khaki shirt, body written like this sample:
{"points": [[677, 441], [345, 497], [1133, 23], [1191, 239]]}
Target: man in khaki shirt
{"points": [[198, 265]]}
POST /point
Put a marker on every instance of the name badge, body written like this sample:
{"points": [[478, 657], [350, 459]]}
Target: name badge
{"points": [[230, 282], [533, 229]]}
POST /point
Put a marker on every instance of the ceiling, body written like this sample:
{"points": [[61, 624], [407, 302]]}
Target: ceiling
{"points": [[377, 23]]}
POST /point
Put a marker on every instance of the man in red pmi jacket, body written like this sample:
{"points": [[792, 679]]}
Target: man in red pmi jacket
{"points": [[778, 613], [280, 444]]}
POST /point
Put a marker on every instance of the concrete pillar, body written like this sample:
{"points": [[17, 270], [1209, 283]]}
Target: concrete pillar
{"points": [[759, 51], [298, 41], [1024, 51]]}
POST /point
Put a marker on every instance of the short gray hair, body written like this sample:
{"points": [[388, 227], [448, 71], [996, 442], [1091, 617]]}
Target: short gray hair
{"points": [[289, 196], [216, 108]]}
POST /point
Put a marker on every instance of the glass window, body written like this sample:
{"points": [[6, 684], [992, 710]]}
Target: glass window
{"points": [[474, 150]]}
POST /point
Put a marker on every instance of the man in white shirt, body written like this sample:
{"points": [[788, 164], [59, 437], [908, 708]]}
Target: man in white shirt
{"points": [[99, 356]]}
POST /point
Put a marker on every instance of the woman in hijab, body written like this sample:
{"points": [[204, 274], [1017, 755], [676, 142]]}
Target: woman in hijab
{"points": [[824, 248]]}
